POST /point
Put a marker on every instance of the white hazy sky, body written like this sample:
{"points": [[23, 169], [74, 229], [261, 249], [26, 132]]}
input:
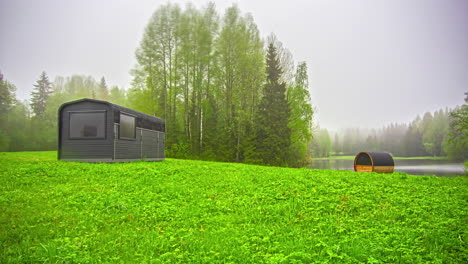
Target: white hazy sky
{"points": [[371, 62]]}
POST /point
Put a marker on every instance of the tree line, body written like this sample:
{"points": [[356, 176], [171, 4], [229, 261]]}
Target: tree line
{"points": [[32, 124], [442, 133], [224, 92]]}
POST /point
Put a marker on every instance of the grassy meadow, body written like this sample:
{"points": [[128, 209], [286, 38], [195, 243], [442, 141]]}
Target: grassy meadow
{"points": [[182, 211]]}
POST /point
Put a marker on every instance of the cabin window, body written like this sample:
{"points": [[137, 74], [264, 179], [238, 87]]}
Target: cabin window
{"points": [[88, 125], [127, 126]]}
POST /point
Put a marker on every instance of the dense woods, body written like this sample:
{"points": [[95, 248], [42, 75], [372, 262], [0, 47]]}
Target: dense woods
{"points": [[223, 94], [226, 94]]}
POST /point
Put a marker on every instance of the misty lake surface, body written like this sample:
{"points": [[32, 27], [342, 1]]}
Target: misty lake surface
{"points": [[442, 168]]}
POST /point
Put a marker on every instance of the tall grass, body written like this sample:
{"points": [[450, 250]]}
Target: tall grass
{"points": [[181, 211]]}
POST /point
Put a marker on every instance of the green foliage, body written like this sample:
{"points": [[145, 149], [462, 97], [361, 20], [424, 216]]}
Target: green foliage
{"points": [[413, 141], [7, 103], [435, 135], [157, 81], [103, 91], [457, 143], [117, 96], [321, 144], [7, 95], [273, 135], [180, 211], [14, 119], [79, 86], [42, 91], [204, 75], [241, 75], [39, 132], [300, 119]]}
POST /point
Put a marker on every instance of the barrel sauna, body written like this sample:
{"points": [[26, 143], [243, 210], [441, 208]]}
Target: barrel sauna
{"points": [[381, 162]]}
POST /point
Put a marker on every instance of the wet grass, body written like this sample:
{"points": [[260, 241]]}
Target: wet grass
{"points": [[182, 211]]}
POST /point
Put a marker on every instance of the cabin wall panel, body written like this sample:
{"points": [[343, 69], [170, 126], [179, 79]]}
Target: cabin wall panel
{"points": [[149, 144], [128, 149]]}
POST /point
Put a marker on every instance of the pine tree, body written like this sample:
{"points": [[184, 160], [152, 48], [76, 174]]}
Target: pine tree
{"points": [[272, 131], [40, 94]]}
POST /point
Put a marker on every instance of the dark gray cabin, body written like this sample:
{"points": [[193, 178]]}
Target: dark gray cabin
{"points": [[98, 131]]}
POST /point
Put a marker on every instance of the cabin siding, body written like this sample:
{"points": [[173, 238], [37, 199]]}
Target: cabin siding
{"points": [[161, 139], [86, 150], [149, 144], [127, 148]]}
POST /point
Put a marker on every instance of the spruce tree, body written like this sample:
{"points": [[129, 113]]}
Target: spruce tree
{"points": [[272, 131], [40, 94]]}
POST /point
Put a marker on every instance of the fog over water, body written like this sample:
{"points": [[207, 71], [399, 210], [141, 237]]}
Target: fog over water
{"points": [[442, 168], [371, 62]]}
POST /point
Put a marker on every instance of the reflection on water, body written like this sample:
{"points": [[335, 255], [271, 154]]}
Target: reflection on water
{"points": [[442, 168], [332, 164]]}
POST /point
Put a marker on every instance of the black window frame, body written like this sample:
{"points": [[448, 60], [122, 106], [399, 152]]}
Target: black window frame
{"points": [[87, 112], [134, 126]]}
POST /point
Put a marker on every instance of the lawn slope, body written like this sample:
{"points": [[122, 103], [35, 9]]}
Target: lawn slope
{"points": [[180, 211]]}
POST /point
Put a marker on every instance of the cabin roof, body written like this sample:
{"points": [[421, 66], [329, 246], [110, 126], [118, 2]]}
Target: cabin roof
{"points": [[378, 158], [116, 107]]}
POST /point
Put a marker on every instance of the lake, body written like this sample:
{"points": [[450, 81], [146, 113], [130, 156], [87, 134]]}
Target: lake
{"points": [[443, 168]]}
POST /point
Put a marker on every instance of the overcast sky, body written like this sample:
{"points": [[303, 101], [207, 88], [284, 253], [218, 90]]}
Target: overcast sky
{"points": [[371, 62]]}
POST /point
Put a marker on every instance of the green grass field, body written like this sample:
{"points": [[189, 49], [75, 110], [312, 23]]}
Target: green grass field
{"points": [[181, 211]]}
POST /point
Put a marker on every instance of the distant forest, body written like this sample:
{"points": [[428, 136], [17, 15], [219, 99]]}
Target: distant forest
{"points": [[442, 133], [226, 94]]}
